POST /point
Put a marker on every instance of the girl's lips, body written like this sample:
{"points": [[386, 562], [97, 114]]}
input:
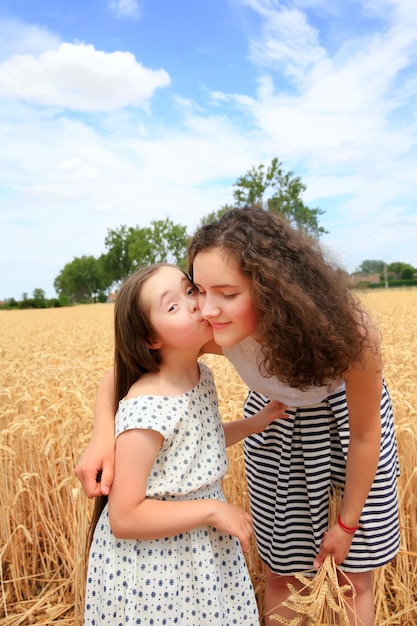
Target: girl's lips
{"points": [[219, 325]]}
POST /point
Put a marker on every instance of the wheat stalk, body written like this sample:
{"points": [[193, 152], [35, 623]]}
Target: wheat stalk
{"points": [[319, 596], [51, 363]]}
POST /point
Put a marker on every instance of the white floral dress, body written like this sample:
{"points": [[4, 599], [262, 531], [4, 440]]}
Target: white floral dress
{"points": [[194, 578]]}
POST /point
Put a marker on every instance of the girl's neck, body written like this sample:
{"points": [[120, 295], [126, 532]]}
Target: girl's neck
{"points": [[171, 380], [179, 375]]}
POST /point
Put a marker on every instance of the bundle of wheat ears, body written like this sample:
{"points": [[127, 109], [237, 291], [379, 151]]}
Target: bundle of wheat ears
{"points": [[321, 598]]}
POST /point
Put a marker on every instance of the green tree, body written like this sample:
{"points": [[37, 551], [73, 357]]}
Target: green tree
{"points": [[38, 294], [116, 262], [285, 192], [129, 248], [371, 266], [399, 268], [39, 299], [214, 215], [162, 242], [408, 273], [80, 280]]}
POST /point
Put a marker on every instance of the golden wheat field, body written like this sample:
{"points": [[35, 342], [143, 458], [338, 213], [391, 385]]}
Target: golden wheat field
{"points": [[51, 363]]}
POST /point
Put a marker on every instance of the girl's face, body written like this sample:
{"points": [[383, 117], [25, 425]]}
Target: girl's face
{"points": [[172, 300], [225, 297]]}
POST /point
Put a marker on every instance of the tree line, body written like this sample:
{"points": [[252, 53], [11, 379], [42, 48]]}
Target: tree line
{"points": [[396, 271], [91, 279]]}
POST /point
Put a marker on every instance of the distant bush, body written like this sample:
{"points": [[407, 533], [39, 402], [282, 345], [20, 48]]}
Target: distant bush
{"points": [[363, 284]]}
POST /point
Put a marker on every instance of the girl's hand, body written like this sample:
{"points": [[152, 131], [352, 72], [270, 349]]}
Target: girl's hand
{"points": [[233, 520], [95, 469], [335, 542], [272, 411], [237, 430]]}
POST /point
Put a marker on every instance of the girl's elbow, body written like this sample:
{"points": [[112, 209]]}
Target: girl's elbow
{"points": [[127, 520], [120, 525]]}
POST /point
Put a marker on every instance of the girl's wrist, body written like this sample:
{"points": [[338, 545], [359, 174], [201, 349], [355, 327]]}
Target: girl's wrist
{"points": [[347, 529]]}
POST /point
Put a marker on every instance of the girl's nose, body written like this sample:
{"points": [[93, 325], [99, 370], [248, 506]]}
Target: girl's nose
{"points": [[208, 308]]}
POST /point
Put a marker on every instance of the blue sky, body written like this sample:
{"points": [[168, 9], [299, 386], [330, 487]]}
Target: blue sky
{"points": [[119, 112]]}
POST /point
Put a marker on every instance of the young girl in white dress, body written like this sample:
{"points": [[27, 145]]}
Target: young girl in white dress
{"points": [[167, 548]]}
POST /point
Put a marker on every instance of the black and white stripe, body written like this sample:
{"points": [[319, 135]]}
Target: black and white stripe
{"points": [[290, 469]]}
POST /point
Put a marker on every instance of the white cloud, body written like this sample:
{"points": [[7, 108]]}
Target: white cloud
{"points": [[288, 43], [126, 8], [71, 183], [17, 37], [344, 118], [81, 78], [339, 108]]}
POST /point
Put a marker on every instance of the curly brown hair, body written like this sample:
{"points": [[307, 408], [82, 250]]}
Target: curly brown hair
{"points": [[310, 327]]}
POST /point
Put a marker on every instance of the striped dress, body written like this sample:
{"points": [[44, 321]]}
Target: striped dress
{"points": [[292, 465]]}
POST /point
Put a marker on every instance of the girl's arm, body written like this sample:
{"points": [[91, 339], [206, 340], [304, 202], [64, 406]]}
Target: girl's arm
{"points": [[363, 394], [134, 516], [96, 466], [239, 429]]}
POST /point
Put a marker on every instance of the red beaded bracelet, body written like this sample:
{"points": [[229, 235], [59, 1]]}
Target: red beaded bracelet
{"points": [[347, 529]]}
